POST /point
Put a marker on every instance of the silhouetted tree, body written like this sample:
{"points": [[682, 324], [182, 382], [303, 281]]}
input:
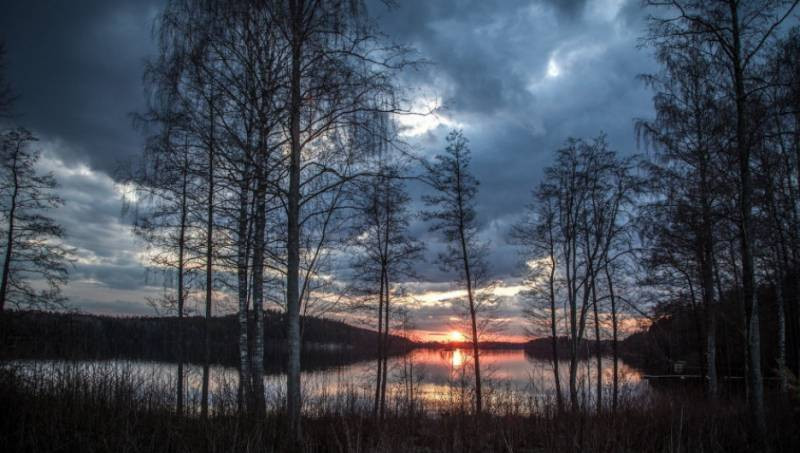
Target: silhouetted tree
{"points": [[578, 228], [537, 235], [738, 32], [384, 251], [453, 214], [778, 180], [184, 102], [688, 135], [33, 251], [333, 76]]}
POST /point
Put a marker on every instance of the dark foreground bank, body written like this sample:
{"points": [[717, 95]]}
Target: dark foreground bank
{"points": [[114, 413]]}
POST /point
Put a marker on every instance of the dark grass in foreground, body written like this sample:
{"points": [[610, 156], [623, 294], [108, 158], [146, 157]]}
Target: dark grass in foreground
{"points": [[121, 414]]}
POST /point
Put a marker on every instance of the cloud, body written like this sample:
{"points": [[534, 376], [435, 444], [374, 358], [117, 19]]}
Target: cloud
{"points": [[106, 251], [518, 76], [77, 67]]}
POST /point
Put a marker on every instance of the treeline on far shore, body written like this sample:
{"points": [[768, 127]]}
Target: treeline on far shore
{"points": [[37, 334]]}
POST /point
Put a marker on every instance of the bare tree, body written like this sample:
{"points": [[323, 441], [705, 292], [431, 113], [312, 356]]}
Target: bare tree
{"points": [[566, 186], [537, 235], [384, 251], [578, 228], [186, 94], [272, 93], [614, 211], [689, 135], [249, 57], [453, 214], [163, 204], [738, 32], [167, 211], [337, 69], [778, 157], [34, 254]]}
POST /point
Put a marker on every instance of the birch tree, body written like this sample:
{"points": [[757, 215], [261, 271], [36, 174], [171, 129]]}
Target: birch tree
{"points": [[781, 151], [337, 69], [179, 77]]}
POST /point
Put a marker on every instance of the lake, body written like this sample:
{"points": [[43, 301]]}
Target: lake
{"points": [[434, 380]]}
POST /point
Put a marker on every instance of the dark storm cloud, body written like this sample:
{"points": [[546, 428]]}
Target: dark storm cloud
{"points": [[518, 76], [491, 67], [77, 67]]}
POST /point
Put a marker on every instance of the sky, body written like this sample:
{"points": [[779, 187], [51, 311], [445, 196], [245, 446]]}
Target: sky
{"points": [[518, 77]]}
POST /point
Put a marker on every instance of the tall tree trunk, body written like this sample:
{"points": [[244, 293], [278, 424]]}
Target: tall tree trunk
{"points": [[385, 342], [597, 349], [573, 374], [181, 290], [470, 296], [779, 299], [698, 317], [554, 333], [379, 377], [473, 322], [258, 293], [707, 274], [385, 271], [209, 262], [614, 343], [780, 263], [10, 234], [293, 398], [796, 259], [783, 263], [242, 257], [740, 306], [712, 387], [755, 383], [574, 350], [573, 324]]}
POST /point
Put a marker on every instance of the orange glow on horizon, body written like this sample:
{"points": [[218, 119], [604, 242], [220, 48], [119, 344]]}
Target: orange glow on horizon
{"points": [[453, 336]]}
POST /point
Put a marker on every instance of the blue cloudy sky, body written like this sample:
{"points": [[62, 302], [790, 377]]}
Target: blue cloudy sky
{"points": [[518, 77]]}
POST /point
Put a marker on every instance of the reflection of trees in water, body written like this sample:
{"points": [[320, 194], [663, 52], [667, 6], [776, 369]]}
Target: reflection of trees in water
{"points": [[432, 379], [630, 378]]}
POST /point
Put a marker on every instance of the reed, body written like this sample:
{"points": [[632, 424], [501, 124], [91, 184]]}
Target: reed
{"points": [[100, 407]]}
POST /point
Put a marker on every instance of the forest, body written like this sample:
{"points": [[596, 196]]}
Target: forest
{"points": [[277, 201]]}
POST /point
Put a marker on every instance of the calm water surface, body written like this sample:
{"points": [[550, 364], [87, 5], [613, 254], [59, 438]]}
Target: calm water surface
{"points": [[435, 380]]}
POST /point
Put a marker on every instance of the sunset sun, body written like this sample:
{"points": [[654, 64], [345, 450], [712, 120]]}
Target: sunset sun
{"points": [[455, 337]]}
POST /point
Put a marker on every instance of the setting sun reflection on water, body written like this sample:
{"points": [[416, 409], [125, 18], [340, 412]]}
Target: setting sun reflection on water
{"points": [[428, 379], [457, 359]]}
